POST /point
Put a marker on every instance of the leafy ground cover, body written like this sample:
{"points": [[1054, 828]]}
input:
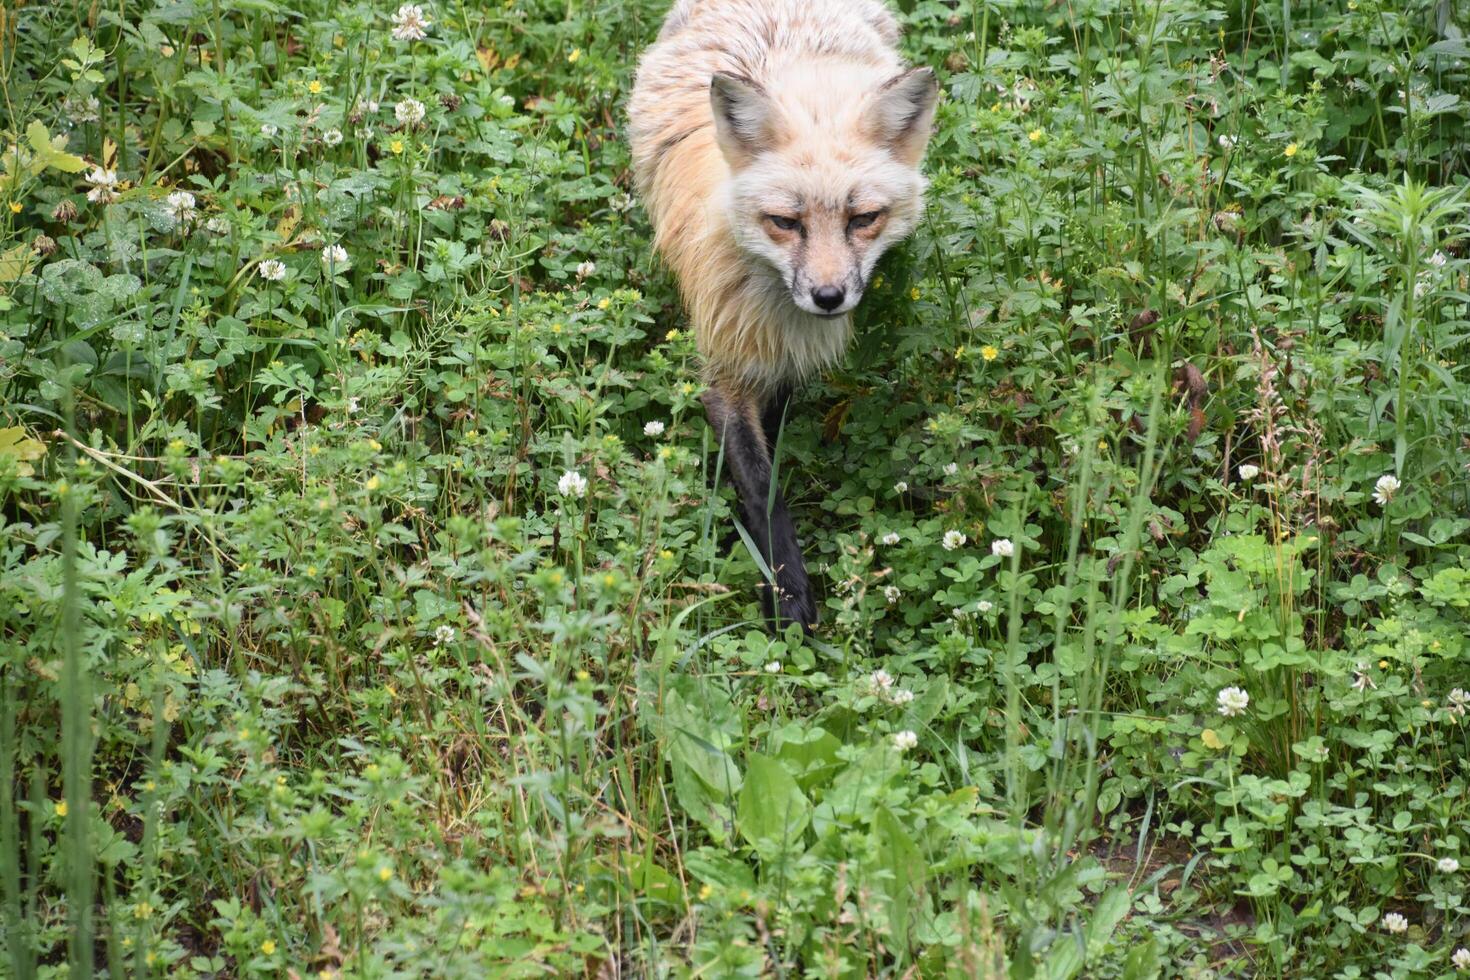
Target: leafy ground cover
{"points": [[364, 610]]}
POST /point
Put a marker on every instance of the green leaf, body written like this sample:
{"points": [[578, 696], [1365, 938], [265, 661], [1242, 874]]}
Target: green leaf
{"points": [[49, 154], [903, 868], [16, 262], [1108, 912], [773, 809], [640, 877], [719, 870], [811, 753], [1142, 962], [15, 444]]}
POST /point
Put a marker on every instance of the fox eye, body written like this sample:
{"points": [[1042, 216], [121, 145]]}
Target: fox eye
{"points": [[863, 220], [784, 222]]}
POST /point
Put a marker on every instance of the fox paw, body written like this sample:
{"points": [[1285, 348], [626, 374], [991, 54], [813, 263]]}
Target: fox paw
{"points": [[797, 606]]}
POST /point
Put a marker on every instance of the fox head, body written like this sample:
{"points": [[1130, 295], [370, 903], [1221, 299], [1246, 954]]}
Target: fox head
{"points": [[824, 174]]}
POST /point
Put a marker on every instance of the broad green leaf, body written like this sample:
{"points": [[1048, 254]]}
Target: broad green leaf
{"points": [[811, 753], [1142, 962], [773, 808], [719, 869], [1105, 917], [49, 153], [903, 869], [641, 877], [16, 262], [16, 445]]}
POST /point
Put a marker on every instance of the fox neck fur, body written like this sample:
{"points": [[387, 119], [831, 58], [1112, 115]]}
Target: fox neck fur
{"points": [[820, 120]]}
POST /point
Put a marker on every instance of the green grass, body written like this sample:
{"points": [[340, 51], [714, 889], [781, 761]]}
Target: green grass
{"points": [[308, 666]]}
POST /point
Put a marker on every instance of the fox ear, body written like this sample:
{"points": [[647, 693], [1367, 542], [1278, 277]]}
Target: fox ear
{"points": [[744, 117], [903, 112]]}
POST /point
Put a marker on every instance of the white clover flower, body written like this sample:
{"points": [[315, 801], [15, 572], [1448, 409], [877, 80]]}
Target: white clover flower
{"points": [[272, 270], [890, 539], [984, 606], [86, 109], [268, 130], [901, 696], [950, 469], [217, 225], [1003, 547], [1385, 488], [1361, 680], [1248, 471], [1227, 142], [880, 680], [1461, 959], [586, 269], [653, 429], [1447, 865], [353, 406], [1071, 448], [1232, 701], [1395, 923], [774, 667], [1438, 259], [891, 594], [443, 634], [1458, 702], [953, 540], [572, 484], [332, 137], [409, 112], [410, 23], [335, 257], [905, 740], [901, 487], [1421, 286], [104, 186], [180, 206]]}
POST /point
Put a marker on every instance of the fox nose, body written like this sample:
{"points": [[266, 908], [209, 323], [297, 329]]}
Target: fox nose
{"points": [[829, 297]]}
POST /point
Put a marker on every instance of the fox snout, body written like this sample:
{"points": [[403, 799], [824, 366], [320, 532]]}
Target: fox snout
{"points": [[826, 262], [827, 297]]}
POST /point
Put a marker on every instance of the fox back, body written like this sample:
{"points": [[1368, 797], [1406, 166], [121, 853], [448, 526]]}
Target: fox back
{"points": [[776, 145]]}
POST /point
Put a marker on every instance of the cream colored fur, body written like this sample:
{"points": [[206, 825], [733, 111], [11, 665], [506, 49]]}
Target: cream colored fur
{"points": [[826, 138]]}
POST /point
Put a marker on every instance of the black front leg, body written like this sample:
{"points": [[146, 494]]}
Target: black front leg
{"points": [[773, 417], [737, 420]]}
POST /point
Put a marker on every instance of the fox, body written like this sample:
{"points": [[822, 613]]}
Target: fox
{"points": [[777, 147]]}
